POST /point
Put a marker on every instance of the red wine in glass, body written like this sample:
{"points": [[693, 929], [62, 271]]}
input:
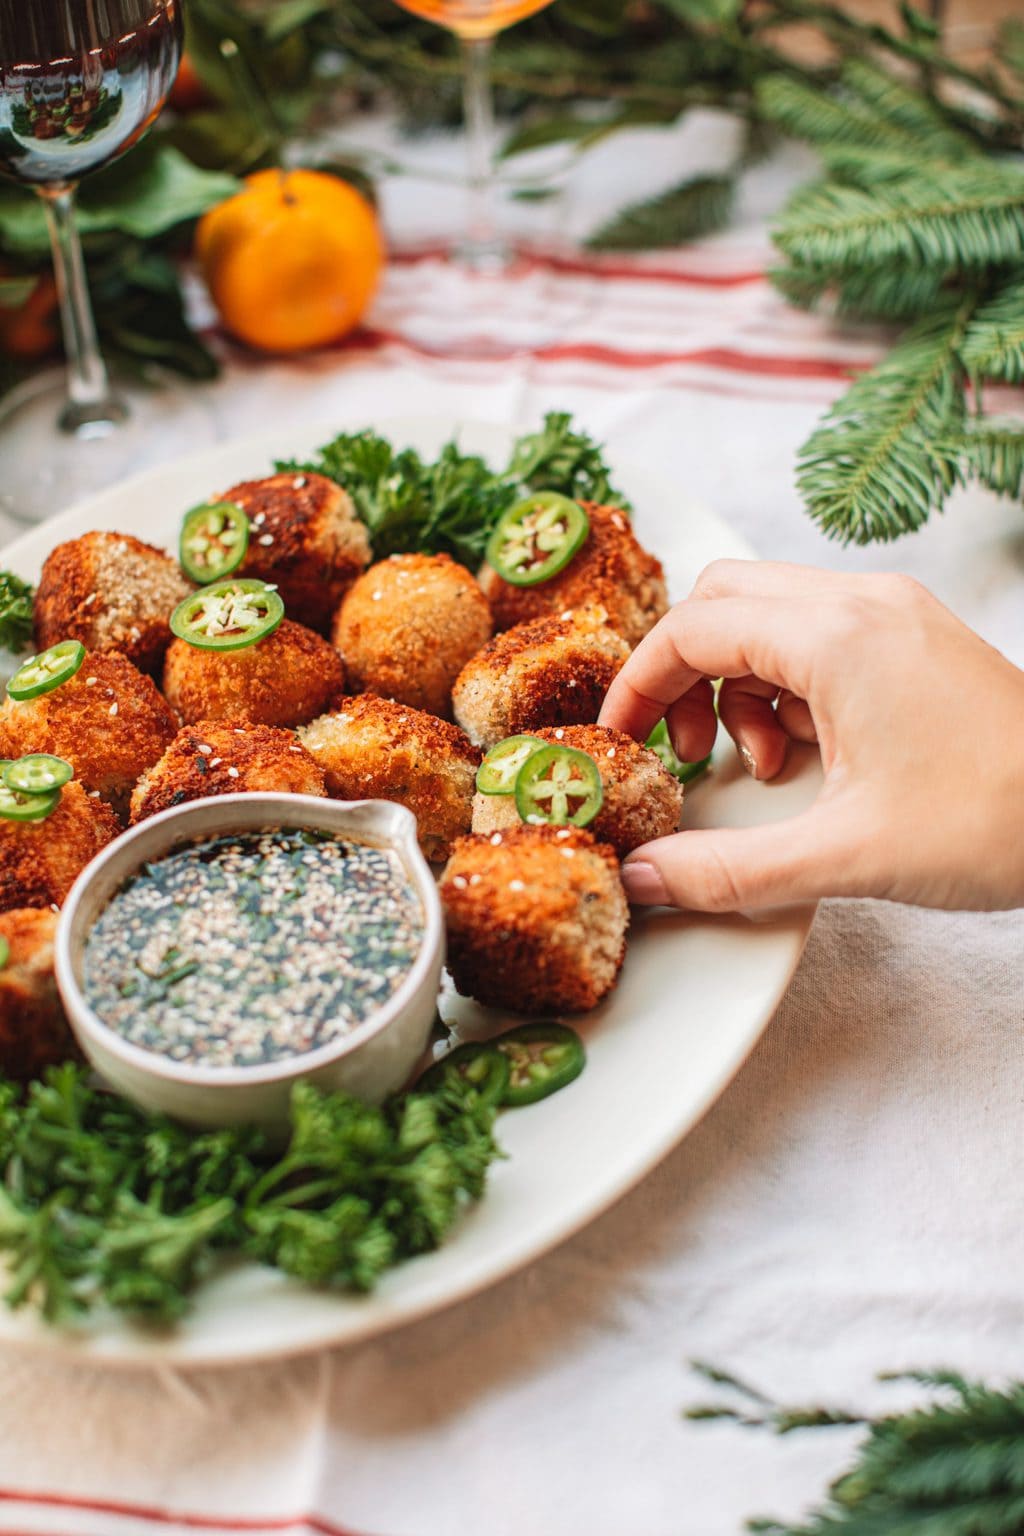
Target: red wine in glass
{"points": [[80, 82]]}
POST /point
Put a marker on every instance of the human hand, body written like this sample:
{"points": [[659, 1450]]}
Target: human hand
{"points": [[920, 724]]}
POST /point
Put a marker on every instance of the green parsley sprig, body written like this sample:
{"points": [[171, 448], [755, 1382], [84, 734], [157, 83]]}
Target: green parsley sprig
{"points": [[102, 1203], [16, 598]]}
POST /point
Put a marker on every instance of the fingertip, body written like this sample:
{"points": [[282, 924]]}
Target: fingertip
{"points": [[643, 883]]}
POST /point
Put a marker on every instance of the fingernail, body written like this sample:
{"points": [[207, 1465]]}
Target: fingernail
{"points": [[749, 761], [643, 883]]}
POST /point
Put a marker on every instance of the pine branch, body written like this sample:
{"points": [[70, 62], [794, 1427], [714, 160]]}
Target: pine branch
{"points": [[873, 293], [994, 345], [880, 463], [975, 219], [993, 449], [694, 208]]}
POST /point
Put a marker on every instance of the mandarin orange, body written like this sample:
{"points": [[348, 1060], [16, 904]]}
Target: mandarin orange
{"points": [[293, 260]]}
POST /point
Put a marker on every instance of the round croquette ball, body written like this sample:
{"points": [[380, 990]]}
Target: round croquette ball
{"points": [[34, 1032], [536, 919], [109, 722], [111, 592], [546, 672], [408, 627], [290, 677], [306, 538], [218, 758], [41, 860], [375, 749], [642, 800], [611, 568]]}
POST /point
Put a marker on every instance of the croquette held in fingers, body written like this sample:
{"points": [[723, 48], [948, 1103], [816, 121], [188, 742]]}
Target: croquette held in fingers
{"points": [[41, 860], [113, 593], [552, 671], [285, 679], [375, 749], [34, 1032], [408, 626], [536, 919], [642, 800], [108, 720], [306, 538], [611, 568], [218, 758]]}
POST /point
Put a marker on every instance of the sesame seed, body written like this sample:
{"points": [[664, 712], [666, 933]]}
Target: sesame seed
{"points": [[496, 838], [296, 749], [563, 834], [559, 734], [611, 752], [91, 682], [93, 794], [516, 885], [567, 853], [202, 747], [215, 761], [233, 773], [572, 683], [54, 907], [475, 879], [377, 596], [89, 600], [617, 521], [299, 483], [113, 708], [259, 519], [460, 882], [266, 538], [566, 615]]}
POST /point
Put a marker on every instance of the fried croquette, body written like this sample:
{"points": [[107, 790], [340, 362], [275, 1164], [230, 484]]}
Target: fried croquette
{"points": [[111, 592], [108, 721], [290, 677], [305, 536], [611, 568], [33, 1030], [536, 919], [407, 628], [214, 758], [373, 748], [546, 672], [41, 860], [641, 798]]}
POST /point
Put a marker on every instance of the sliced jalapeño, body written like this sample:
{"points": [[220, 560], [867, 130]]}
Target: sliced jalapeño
{"points": [[228, 615], [15, 806], [559, 785], [43, 673], [37, 774], [499, 770], [542, 1059], [537, 538], [214, 539]]}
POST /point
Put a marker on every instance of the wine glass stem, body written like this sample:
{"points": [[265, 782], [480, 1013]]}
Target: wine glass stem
{"points": [[91, 409], [481, 250]]}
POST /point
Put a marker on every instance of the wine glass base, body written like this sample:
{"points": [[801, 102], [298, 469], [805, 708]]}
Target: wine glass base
{"points": [[55, 454]]}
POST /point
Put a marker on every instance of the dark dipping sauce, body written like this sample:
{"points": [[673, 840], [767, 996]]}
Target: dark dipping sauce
{"points": [[242, 950]]}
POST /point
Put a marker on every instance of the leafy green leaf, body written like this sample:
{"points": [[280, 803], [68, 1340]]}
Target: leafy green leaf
{"points": [[702, 13], [685, 212]]}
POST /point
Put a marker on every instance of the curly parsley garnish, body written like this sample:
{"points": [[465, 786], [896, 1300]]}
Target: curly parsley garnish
{"points": [[16, 597]]}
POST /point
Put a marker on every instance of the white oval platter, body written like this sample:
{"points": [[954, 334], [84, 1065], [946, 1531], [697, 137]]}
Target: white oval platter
{"points": [[695, 994]]}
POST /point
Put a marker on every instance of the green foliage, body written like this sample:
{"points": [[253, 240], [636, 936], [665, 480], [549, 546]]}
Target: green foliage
{"points": [[102, 1203], [16, 598], [993, 449], [994, 345], [451, 505], [952, 1467], [694, 208]]}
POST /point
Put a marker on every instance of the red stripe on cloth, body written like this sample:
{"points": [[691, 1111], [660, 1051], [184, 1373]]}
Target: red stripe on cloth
{"points": [[157, 1516], [728, 359], [580, 266]]}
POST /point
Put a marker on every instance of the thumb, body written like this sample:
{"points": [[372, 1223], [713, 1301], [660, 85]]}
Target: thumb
{"points": [[801, 859]]}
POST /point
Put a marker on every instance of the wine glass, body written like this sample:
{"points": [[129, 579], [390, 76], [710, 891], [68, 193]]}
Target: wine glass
{"points": [[81, 81], [481, 252]]}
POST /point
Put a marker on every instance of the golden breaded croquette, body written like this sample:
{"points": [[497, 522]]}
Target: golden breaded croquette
{"points": [[611, 568], [547, 672], [305, 536], [217, 758], [108, 721], [34, 1032], [407, 628], [41, 860], [375, 749], [111, 592], [536, 919], [642, 800], [286, 679]]}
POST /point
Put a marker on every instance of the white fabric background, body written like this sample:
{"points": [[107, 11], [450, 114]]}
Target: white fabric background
{"points": [[850, 1205]]}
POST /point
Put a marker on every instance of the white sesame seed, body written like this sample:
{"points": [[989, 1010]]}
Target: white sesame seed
{"points": [[54, 907], [567, 853], [270, 586], [559, 734], [460, 882], [572, 683], [617, 521], [203, 748], [91, 682], [296, 749], [89, 600], [94, 794], [611, 752], [475, 879], [113, 708], [238, 732], [299, 483], [566, 615], [215, 761], [496, 838], [266, 538], [377, 596], [232, 773], [259, 519], [516, 885], [563, 834]]}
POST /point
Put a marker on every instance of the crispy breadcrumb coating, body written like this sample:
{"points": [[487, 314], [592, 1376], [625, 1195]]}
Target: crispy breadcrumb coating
{"points": [[217, 758], [536, 919], [41, 860], [304, 536], [642, 800], [547, 672], [111, 592], [611, 568], [408, 627], [33, 1030], [108, 721], [286, 679], [375, 749]]}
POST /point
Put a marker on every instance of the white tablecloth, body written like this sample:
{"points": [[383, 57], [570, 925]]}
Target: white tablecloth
{"points": [[849, 1205]]}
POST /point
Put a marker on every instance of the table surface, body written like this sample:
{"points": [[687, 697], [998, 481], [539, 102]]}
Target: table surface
{"points": [[840, 1211]]}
